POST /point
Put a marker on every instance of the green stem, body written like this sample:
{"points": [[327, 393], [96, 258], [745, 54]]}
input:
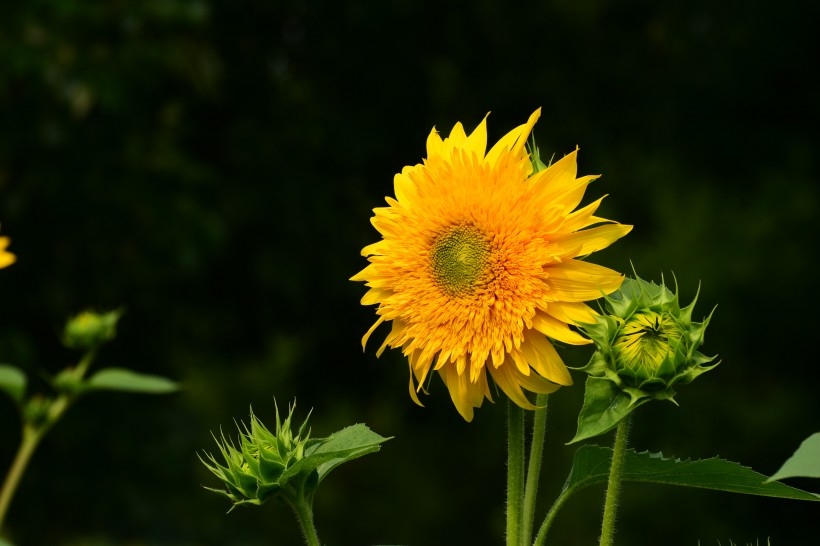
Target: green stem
{"points": [[303, 507], [85, 362], [515, 471], [33, 433], [545, 526], [31, 437], [614, 487], [539, 430]]}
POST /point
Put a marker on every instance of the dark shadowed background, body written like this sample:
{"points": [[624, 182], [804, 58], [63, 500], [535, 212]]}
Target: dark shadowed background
{"points": [[212, 166]]}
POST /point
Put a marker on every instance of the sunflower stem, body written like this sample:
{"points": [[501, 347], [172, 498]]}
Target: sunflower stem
{"points": [[33, 432], [515, 472], [31, 437], [545, 526], [302, 504], [614, 487], [539, 430]]}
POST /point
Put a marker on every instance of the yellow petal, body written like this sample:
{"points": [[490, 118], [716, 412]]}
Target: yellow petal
{"points": [[457, 136], [477, 141], [508, 381], [518, 148], [583, 243], [576, 280], [7, 258], [514, 140], [511, 382], [557, 330], [543, 357], [560, 174], [395, 333], [373, 296], [404, 188], [582, 218], [571, 313], [370, 332], [412, 389], [459, 391], [435, 146]]}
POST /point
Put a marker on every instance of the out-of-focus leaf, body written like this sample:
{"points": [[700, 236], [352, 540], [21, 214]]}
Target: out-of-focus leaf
{"points": [[119, 379]]}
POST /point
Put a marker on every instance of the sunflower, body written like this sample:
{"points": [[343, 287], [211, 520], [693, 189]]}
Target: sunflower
{"points": [[6, 257], [478, 267]]}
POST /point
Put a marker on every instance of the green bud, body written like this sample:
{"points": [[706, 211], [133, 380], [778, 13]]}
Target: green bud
{"points": [[88, 329], [262, 465], [647, 343]]}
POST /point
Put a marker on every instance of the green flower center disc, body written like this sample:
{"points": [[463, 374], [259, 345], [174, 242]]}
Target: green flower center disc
{"points": [[459, 259], [644, 342]]}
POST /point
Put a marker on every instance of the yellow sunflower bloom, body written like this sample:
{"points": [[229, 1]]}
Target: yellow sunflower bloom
{"points": [[478, 266], [6, 257]]}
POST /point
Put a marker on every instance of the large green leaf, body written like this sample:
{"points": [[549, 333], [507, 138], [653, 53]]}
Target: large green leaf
{"points": [[805, 463], [591, 466], [604, 406], [13, 382], [350, 443], [328, 453], [120, 379]]}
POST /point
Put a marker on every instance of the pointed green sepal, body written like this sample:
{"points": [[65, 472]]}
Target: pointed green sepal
{"points": [[535, 156]]}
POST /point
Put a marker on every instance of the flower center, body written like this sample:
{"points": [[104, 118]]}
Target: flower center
{"points": [[459, 259], [644, 341]]}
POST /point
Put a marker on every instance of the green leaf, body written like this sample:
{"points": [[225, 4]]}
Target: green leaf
{"points": [[328, 453], [4, 542], [13, 382], [805, 463], [350, 443], [604, 406], [591, 466], [119, 379]]}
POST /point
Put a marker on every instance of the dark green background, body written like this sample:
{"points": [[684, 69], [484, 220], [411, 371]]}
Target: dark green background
{"points": [[212, 166]]}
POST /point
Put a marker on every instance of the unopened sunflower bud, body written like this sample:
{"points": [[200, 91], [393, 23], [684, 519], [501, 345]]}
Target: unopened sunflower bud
{"points": [[647, 343], [263, 462], [89, 329]]}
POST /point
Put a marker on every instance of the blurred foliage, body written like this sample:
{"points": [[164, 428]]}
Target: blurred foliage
{"points": [[211, 166]]}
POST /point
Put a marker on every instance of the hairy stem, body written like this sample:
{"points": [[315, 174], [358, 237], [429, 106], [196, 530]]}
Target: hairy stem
{"points": [[303, 507], [539, 430], [614, 487], [515, 472]]}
